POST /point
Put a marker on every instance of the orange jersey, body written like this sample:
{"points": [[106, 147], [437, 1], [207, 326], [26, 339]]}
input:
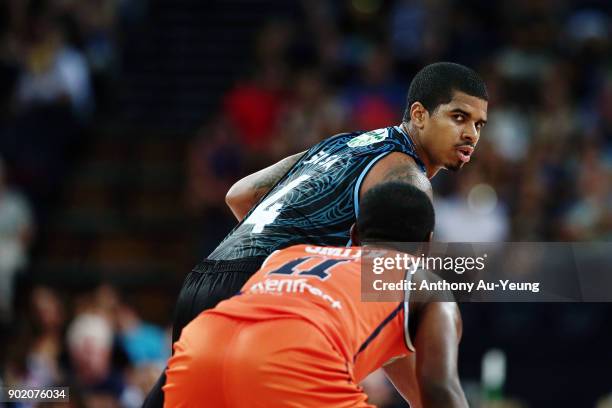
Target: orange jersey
{"points": [[322, 285]]}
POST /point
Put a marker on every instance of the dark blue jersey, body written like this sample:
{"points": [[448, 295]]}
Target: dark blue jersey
{"points": [[317, 201]]}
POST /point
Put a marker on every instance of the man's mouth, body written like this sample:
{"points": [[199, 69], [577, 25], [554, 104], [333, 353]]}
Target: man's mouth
{"points": [[464, 153]]}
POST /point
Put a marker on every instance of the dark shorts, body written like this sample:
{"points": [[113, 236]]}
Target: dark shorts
{"points": [[210, 282], [207, 284]]}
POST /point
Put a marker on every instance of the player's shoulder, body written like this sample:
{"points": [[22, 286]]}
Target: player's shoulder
{"points": [[397, 166], [337, 140], [399, 160], [360, 139]]}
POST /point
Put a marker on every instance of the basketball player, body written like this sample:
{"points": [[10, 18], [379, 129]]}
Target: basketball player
{"points": [[313, 197], [299, 336]]}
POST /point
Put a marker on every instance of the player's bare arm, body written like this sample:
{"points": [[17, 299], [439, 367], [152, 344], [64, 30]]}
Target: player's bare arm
{"points": [[397, 167], [402, 373], [436, 344], [246, 192]]}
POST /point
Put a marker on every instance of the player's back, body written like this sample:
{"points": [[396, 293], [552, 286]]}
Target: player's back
{"points": [[322, 286], [317, 200]]}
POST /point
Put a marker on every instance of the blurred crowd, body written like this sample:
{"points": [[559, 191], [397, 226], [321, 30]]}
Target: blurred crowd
{"points": [[96, 344], [542, 170], [57, 61]]}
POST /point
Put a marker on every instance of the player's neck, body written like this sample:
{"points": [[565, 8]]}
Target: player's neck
{"points": [[431, 169]]}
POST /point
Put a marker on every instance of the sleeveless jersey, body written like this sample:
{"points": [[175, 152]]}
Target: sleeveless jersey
{"points": [[317, 200], [322, 286]]}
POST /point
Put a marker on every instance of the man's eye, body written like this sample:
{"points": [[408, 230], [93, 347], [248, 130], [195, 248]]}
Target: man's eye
{"points": [[458, 118]]}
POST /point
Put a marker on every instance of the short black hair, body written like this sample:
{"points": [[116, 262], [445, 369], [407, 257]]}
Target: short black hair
{"points": [[395, 211], [434, 85]]}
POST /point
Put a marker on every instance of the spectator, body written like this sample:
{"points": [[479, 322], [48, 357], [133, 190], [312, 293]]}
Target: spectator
{"points": [[376, 99], [34, 360], [54, 72], [90, 344], [590, 215], [312, 113], [254, 107], [143, 342], [215, 161], [473, 214], [16, 232]]}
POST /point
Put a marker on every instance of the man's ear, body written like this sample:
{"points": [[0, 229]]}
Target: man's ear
{"points": [[355, 235], [430, 238], [418, 115]]}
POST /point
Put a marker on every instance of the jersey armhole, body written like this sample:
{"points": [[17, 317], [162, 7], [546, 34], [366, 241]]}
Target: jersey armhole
{"points": [[407, 338]]}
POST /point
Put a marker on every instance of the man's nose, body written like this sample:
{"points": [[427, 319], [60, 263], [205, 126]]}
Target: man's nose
{"points": [[470, 134]]}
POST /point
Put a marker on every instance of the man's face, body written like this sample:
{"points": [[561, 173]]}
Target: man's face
{"points": [[452, 130]]}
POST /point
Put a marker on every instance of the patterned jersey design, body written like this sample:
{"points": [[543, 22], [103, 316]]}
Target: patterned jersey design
{"points": [[316, 202]]}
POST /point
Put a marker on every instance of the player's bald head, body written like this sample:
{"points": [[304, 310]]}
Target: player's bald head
{"points": [[395, 211]]}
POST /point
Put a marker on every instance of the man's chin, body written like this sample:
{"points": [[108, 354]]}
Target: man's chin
{"points": [[455, 167]]}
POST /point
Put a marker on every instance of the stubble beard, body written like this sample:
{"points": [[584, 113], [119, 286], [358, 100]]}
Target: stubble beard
{"points": [[454, 167]]}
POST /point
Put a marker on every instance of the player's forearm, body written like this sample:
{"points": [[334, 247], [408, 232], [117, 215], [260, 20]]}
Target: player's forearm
{"points": [[437, 345], [443, 395], [410, 395], [245, 193], [402, 374]]}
